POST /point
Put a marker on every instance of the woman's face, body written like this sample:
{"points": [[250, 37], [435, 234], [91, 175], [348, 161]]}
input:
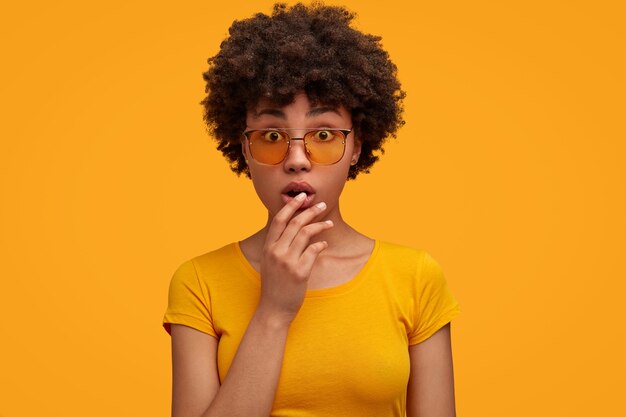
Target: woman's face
{"points": [[325, 181]]}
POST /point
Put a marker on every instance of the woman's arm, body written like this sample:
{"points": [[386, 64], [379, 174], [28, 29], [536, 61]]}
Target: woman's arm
{"points": [[195, 380], [249, 387], [430, 391], [250, 384]]}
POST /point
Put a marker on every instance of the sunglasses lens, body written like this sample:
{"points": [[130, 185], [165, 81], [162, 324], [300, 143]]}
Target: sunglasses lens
{"points": [[325, 146], [269, 146]]}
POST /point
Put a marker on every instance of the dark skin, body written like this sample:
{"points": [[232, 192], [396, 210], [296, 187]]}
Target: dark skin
{"points": [[295, 251]]}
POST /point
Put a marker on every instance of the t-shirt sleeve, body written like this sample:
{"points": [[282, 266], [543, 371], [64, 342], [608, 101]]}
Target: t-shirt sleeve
{"points": [[188, 301], [435, 303]]}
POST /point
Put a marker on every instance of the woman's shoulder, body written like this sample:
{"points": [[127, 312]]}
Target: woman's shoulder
{"points": [[416, 264], [213, 258], [402, 250], [406, 257]]}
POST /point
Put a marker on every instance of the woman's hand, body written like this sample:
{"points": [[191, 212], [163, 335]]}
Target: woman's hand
{"points": [[288, 258]]}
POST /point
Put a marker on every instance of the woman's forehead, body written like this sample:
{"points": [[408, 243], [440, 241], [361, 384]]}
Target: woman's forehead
{"points": [[311, 108]]}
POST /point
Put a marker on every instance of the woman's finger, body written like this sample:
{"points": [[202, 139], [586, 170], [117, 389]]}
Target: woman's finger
{"points": [[297, 223], [302, 239], [281, 219], [310, 254]]}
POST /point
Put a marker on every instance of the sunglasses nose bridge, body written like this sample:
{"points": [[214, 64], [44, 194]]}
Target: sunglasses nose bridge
{"points": [[297, 134], [297, 157], [290, 147]]}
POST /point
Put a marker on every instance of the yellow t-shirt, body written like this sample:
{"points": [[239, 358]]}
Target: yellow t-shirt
{"points": [[347, 349]]}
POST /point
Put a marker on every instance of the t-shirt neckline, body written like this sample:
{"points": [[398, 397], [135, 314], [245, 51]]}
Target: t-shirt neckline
{"points": [[320, 292]]}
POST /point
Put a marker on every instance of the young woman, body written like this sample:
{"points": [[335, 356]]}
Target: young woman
{"points": [[307, 316]]}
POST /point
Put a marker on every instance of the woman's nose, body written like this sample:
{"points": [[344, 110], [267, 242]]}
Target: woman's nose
{"points": [[297, 159]]}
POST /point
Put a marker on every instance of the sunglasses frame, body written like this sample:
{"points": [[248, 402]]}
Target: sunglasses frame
{"points": [[345, 133]]}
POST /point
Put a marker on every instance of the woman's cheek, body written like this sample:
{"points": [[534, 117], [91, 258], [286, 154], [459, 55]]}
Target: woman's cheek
{"points": [[270, 197]]}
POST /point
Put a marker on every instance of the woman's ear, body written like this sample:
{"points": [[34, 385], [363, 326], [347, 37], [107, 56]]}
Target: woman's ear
{"points": [[244, 151], [356, 151]]}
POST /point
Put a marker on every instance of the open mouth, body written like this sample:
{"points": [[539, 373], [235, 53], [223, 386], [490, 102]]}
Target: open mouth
{"points": [[296, 187], [294, 193]]}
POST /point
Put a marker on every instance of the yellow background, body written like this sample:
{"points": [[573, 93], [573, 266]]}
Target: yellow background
{"points": [[509, 171]]}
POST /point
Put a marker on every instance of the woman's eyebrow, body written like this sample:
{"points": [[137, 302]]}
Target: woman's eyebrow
{"points": [[320, 110], [311, 113], [272, 112]]}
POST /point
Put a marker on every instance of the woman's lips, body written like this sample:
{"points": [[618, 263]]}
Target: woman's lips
{"points": [[299, 186], [308, 202], [295, 187]]}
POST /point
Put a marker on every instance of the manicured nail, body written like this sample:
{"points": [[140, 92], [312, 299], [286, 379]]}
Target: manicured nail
{"points": [[321, 205], [301, 196]]}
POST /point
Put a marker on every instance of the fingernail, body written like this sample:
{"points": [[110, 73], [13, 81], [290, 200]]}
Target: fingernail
{"points": [[321, 205], [301, 196], [329, 222]]}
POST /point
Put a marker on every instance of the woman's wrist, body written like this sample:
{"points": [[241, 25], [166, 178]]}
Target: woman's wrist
{"points": [[271, 320]]}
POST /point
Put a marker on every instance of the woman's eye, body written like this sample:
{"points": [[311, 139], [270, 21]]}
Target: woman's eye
{"points": [[272, 136], [324, 135]]}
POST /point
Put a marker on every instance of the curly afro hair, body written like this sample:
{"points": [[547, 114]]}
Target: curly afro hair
{"points": [[310, 49]]}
